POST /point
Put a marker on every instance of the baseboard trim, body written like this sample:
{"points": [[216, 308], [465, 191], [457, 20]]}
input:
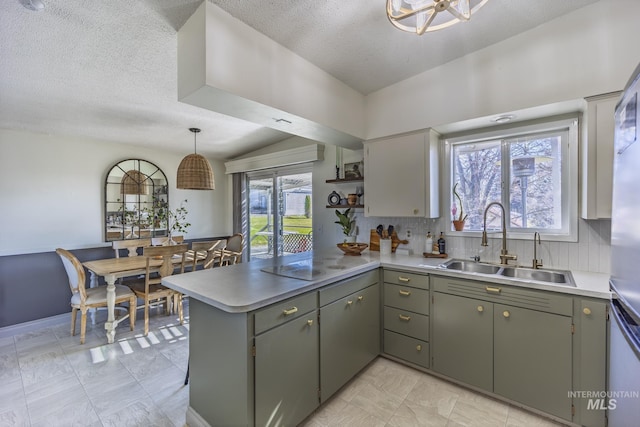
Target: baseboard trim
{"points": [[26, 327], [194, 419]]}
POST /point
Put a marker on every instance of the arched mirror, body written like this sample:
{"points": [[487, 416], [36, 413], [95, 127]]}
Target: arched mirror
{"points": [[136, 201]]}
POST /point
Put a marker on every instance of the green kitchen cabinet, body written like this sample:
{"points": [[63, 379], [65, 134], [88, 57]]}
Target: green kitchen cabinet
{"points": [[349, 337], [406, 316], [514, 342], [532, 358], [590, 357], [286, 372], [463, 339]]}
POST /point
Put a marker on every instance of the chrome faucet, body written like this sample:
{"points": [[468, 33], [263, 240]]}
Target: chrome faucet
{"points": [[536, 263], [504, 254]]}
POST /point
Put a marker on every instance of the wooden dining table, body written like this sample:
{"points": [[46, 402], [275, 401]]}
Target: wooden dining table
{"points": [[112, 269]]}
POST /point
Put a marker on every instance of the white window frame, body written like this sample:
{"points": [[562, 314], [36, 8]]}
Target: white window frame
{"points": [[569, 174]]}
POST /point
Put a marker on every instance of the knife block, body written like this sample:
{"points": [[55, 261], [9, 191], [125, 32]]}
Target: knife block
{"points": [[374, 241]]}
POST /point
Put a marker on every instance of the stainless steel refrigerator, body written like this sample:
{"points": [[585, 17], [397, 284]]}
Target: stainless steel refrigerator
{"points": [[624, 329]]}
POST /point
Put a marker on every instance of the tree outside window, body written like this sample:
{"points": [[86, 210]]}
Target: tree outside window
{"points": [[528, 183]]}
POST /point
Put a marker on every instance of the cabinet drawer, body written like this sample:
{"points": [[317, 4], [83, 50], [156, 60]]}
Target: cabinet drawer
{"points": [[550, 302], [406, 298], [405, 348], [407, 279], [348, 286], [284, 311], [407, 323]]}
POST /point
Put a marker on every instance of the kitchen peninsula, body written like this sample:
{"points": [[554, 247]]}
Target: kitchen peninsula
{"points": [[271, 341]]}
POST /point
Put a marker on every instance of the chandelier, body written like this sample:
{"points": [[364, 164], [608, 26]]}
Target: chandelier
{"points": [[420, 16]]}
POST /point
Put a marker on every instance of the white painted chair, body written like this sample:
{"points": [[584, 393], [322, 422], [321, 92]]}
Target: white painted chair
{"points": [[83, 299]]}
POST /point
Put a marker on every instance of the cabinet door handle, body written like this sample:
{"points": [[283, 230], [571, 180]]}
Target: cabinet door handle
{"points": [[290, 311], [405, 318], [309, 322], [506, 313], [360, 298], [586, 311], [419, 347], [349, 302], [480, 308], [492, 290], [404, 279], [404, 293]]}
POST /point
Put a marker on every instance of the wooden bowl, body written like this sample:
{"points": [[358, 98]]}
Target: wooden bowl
{"points": [[352, 248]]}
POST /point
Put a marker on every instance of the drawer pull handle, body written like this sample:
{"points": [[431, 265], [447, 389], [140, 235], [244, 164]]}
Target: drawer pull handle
{"points": [[404, 293], [492, 290], [480, 308], [404, 279], [349, 302], [290, 311], [586, 311], [506, 313], [309, 322], [405, 318], [360, 298], [419, 347]]}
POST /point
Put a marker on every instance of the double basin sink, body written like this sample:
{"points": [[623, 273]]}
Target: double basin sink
{"points": [[556, 277]]}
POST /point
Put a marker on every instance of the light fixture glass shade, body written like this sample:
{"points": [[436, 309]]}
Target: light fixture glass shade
{"points": [[420, 16], [134, 182], [195, 173]]}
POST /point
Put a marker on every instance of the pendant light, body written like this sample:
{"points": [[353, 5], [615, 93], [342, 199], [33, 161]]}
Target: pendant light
{"points": [[194, 171]]}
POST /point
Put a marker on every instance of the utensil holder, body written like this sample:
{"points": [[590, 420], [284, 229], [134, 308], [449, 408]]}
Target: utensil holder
{"points": [[385, 246]]}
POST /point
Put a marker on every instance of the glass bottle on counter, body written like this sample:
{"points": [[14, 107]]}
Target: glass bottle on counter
{"points": [[441, 244]]}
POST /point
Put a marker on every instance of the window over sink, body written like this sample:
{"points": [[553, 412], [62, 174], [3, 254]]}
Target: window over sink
{"points": [[531, 169]]}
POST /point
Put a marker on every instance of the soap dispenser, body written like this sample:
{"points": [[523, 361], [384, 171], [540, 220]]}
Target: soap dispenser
{"points": [[428, 244]]}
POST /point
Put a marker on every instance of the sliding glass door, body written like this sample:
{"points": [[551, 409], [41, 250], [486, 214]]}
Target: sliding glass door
{"points": [[279, 212]]}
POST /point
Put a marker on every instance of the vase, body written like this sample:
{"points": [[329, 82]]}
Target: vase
{"points": [[458, 225], [350, 239], [352, 199]]}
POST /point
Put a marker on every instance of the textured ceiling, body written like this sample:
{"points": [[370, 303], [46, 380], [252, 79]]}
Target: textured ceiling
{"points": [[107, 69]]}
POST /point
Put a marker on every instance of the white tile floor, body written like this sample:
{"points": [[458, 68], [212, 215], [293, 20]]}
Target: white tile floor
{"points": [[48, 379]]}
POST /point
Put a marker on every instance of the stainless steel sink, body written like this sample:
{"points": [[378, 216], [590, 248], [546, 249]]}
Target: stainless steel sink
{"points": [[557, 277], [471, 266]]}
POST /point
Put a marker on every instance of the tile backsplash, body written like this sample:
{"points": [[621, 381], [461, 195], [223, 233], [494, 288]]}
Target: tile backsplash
{"points": [[592, 252]]}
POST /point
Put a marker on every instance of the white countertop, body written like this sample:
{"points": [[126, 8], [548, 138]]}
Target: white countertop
{"points": [[244, 287]]}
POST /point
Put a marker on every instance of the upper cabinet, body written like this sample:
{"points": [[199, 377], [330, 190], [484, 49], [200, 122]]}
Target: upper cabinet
{"points": [[401, 175], [597, 156]]}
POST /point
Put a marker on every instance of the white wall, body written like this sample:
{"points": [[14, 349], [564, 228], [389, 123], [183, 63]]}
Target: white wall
{"points": [[588, 52], [51, 191]]}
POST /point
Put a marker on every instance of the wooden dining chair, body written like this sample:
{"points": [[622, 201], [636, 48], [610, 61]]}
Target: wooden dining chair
{"points": [[130, 245], [205, 253], [232, 253], [150, 288], [164, 241], [83, 299]]}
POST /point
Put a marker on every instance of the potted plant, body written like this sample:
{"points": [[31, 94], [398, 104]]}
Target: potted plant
{"points": [[347, 223], [458, 224], [175, 220]]}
